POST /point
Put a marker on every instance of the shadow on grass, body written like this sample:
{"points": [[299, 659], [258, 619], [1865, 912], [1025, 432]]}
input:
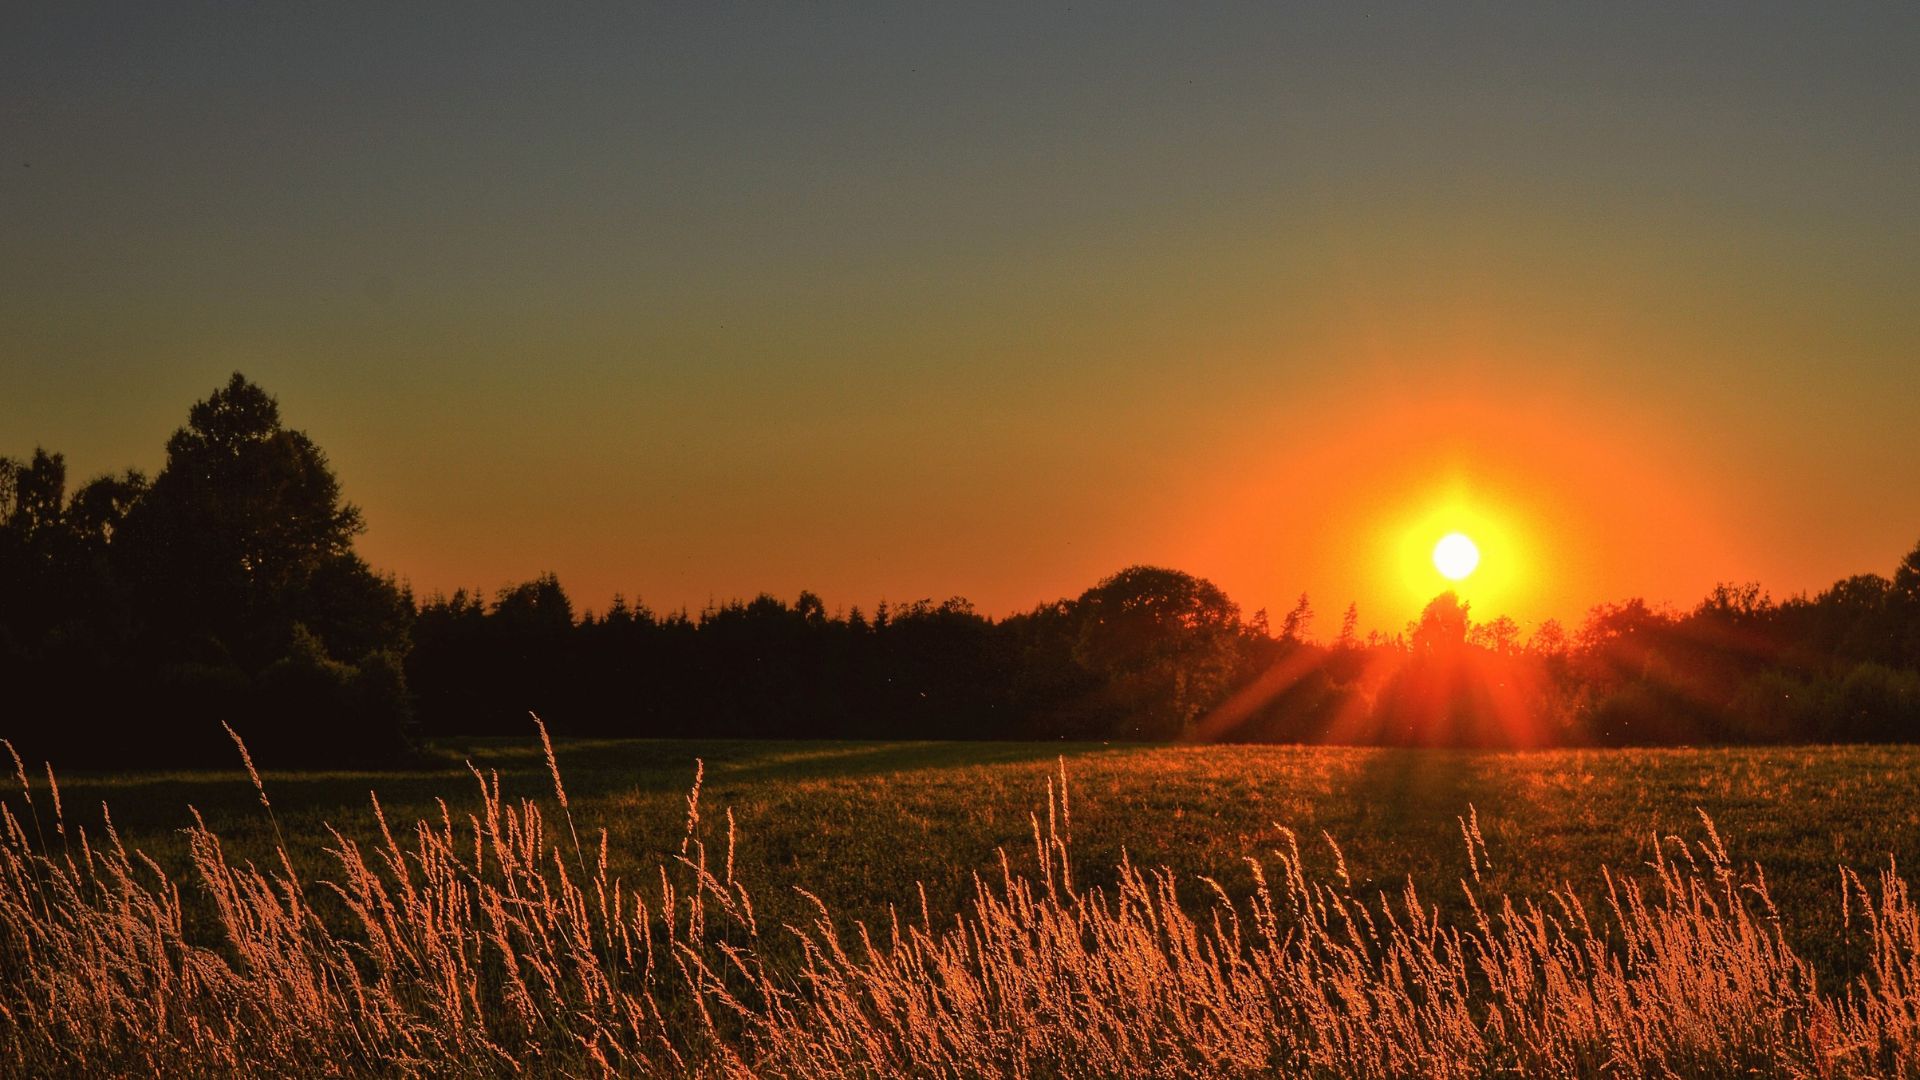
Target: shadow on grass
{"points": [[1410, 784], [591, 769], [840, 761]]}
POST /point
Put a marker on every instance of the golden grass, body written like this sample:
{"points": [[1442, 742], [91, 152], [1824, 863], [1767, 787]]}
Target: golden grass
{"points": [[471, 943]]}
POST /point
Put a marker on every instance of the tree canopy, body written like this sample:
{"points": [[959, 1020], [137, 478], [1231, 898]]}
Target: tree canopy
{"points": [[158, 609]]}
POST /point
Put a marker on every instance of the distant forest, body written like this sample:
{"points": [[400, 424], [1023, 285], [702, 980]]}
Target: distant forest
{"points": [[137, 614]]}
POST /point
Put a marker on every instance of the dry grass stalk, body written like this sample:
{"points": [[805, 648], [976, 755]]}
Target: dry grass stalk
{"points": [[476, 950]]}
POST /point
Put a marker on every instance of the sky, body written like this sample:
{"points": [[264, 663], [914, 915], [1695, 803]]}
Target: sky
{"points": [[697, 301]]}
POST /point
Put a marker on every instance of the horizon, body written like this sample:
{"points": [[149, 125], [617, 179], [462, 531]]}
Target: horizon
{"points": [[928, 304], [1420, 567]]}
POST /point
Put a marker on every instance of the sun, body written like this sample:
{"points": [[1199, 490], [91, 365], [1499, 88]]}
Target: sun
{"points": [[1464, 540], [1455, 556]]}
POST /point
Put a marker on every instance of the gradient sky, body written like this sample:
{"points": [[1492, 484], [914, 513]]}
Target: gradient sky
{"points": [[699, 301]]}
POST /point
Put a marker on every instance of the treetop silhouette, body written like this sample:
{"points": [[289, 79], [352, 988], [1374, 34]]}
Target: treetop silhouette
{"points": [[136, 616]]}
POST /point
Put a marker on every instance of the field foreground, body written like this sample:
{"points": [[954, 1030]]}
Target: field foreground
{"points": [[973, 910]]}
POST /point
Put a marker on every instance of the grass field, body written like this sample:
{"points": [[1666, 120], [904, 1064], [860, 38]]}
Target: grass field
{"points": [[863, 827], [860, 824]]}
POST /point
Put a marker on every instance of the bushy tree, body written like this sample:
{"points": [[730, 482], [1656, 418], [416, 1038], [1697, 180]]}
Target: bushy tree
{"points": [[243, 530], [150, 612], [1164, 643], [1441, 627]]}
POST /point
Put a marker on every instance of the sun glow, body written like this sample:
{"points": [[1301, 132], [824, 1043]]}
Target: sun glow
{"points": [[1571, 500], [1455, 556], [1468, 540]]}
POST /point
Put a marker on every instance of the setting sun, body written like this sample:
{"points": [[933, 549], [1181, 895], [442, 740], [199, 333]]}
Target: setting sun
{"points": [[1455, 556], [1477, 536]]}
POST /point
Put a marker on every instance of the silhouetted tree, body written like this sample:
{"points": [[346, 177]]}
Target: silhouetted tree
{"points": [[32, 542], [162, 609], [1349, 629], [99, 509], [227, 540], [1501, 636], [1442, 626], [1904, 600], [1548, 639], [33, 494], [1058, 695], [1298, 620], [1163, 641]]}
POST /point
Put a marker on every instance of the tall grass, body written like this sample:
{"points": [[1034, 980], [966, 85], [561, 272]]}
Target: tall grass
{"points": [[482, 942]]}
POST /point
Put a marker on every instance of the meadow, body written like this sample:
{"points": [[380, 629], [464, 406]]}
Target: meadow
{"points": [[1008, 864]]}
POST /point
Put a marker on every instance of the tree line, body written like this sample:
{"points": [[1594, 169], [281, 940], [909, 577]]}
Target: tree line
{"points": [[137, 615]]}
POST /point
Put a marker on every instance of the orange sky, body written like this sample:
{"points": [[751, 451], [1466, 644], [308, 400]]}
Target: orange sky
{"points": [[1571, 501], [692, 304]]}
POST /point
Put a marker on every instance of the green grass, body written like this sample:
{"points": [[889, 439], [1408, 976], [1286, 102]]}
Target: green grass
{"points": [[859, 824]]}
